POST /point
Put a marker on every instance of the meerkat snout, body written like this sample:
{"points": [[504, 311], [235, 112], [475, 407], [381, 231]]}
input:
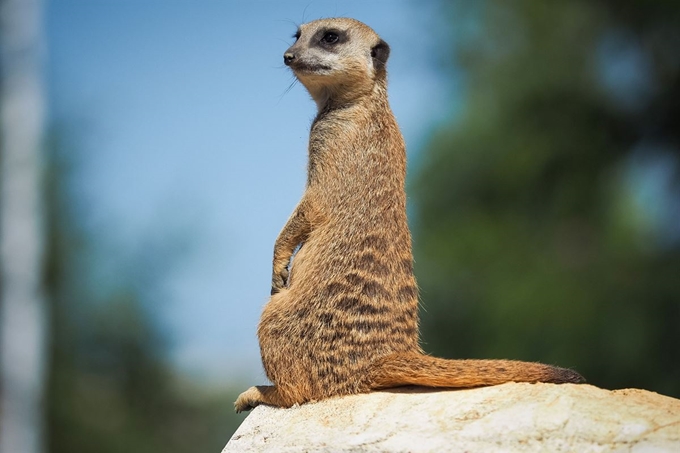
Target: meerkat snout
{"points": [[288, 58]]}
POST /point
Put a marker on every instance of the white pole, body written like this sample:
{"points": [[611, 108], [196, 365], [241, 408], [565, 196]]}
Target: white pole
{"points": [[22, 302]]}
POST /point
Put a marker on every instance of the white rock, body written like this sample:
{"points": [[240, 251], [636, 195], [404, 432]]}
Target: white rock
{"points": [[505, 418]]}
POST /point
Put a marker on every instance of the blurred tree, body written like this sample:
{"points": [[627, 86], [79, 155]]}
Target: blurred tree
{"points": [[111, 388], [547, 215], [22, 301]]}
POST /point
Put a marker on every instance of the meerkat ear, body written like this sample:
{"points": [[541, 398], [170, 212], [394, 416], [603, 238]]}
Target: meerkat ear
{"points": [[380, 53]]}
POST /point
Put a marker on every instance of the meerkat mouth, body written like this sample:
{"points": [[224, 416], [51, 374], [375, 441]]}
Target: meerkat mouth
{"points": [[310, 68]]}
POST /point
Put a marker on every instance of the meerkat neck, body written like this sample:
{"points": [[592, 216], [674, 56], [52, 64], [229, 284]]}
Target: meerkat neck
{"points": [[339, 97]]}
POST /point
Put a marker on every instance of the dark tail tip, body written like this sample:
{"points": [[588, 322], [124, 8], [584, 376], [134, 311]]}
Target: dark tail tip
{"points": [[565, 375]]}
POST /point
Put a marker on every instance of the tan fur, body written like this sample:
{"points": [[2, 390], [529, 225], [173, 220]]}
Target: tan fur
{"points": [[345, 319]]}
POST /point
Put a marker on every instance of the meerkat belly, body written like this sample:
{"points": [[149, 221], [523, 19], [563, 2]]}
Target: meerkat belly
{"points": [[345, 307]]}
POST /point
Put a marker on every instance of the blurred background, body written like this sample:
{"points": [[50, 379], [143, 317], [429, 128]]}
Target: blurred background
{"points": [[151, 151]]}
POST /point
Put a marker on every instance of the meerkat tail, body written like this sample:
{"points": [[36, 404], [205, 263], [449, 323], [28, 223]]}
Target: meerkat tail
{"points": [[418, 369]]}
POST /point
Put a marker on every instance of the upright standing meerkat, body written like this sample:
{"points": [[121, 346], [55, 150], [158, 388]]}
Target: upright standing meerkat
{"points": [[343, 318]]}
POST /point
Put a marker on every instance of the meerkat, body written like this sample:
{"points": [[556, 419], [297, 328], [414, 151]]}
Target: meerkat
{"points": [[343, 318]]}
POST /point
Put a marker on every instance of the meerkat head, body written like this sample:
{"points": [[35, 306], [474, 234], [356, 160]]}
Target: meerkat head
{"points": [[337, 60]]}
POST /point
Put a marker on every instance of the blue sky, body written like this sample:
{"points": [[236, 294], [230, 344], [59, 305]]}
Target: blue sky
{"points": [[185, 127]]}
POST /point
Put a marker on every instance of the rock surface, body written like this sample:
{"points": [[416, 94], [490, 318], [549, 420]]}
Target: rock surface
{"points": [[509, 417]]}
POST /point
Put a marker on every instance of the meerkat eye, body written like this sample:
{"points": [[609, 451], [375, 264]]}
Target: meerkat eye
{"points": [[297, 35], [330, 38]]}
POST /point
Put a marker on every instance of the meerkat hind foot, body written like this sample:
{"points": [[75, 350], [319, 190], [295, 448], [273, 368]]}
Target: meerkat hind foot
{"points": [[248, 400], [265, 394]]}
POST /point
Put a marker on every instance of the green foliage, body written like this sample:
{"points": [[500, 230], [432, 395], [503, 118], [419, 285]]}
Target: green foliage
{"points": [[111, 389], [534, 236]]}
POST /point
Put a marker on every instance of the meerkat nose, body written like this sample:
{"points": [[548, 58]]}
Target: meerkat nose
{"points": [[288, 58]]}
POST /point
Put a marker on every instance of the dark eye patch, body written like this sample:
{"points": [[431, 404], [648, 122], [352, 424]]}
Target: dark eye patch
{"points": [[329, 39]]}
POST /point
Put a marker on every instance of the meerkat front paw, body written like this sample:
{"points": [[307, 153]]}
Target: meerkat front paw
{"points": [[279, 280], [247, 400]]}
